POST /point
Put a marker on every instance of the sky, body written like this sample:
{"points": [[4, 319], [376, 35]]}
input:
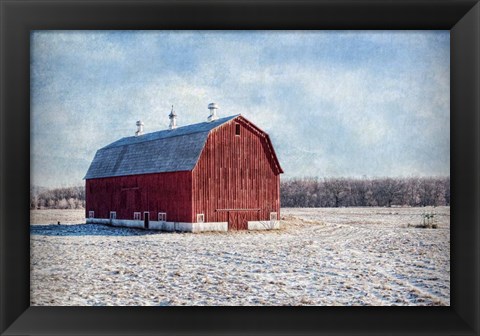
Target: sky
{"points": [[334, 103]]}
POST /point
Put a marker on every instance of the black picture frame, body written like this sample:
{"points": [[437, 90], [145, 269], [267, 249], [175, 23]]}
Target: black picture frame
{"points": [[19, 17]]}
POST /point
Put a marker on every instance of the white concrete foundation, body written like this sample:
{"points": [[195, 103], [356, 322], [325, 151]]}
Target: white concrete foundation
{"points": [[215, 226], [183, 227], [98, 221], [162, 226], [128, 223]]}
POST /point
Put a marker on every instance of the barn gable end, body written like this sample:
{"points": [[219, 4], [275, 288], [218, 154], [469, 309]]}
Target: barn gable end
{"points": [[237, 176]]}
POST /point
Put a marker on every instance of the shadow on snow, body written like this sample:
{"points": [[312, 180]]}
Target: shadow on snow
{"points": [[86, 230]]}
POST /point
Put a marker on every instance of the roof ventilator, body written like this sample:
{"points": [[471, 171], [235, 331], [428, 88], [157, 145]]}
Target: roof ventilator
{"points": [[140, 125], [213, 112]]}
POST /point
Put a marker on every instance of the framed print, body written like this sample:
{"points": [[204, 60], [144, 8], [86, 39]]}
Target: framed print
{"points": [[31, 299]]}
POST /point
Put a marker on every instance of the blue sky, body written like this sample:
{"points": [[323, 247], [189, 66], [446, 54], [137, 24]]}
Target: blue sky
{"points": [[335, 103]]}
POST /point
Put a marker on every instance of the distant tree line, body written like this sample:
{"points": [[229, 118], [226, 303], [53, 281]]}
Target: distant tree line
{"points": [[305, 192], [351, 192], [58, 198]]}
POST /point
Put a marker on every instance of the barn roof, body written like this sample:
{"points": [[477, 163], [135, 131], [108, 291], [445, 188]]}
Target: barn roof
{"points": [[164, 151]]}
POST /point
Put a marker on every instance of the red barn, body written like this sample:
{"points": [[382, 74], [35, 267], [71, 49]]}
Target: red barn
{"points": [[218, 175]]}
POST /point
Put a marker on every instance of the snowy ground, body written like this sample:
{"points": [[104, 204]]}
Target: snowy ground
{"points": [[344, 256]]}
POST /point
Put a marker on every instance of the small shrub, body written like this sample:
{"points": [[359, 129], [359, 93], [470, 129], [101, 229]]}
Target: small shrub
{"points": [[428, 221]]}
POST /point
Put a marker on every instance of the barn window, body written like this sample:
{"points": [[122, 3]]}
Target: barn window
{"points": [[200, 218], [162, 216], [237, 129], [113, 215], [137, 215], [91, 214], [273, 216]]}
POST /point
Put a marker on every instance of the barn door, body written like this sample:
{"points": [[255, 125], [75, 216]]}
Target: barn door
{"points": [[146, 218], [237, 220]]}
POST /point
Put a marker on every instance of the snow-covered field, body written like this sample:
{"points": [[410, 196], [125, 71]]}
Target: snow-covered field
{"points": [[343, 256]]}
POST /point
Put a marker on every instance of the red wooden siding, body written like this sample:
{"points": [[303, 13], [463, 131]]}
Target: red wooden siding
{"points": [[236, 173], [163, 192]]}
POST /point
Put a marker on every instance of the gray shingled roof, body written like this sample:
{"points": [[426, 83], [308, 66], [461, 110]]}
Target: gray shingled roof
{"points": [[157, 152]]}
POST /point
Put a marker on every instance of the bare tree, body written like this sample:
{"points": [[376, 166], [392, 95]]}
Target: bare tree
{"points": [[335, 192], [391, 189], [60, 198], [337, 189]]}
